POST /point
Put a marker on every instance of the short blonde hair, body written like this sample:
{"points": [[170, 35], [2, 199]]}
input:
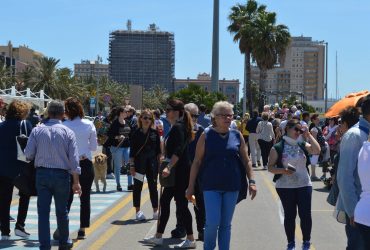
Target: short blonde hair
{"points": [[217, 107]]}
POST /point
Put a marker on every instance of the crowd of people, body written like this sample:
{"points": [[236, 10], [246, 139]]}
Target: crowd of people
{"points": [[206, 159]]}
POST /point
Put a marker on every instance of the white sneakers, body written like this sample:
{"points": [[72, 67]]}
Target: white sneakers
{"points": [[154, 241], [140, 216], [188, 244], [155, 215]]}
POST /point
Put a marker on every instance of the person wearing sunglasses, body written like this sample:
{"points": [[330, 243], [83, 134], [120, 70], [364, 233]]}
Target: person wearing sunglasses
{"points": [[176, 152], [288, 160], [222, 161], [145, 153]]}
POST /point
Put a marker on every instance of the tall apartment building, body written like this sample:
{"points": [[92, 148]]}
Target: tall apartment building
{"points": [[301, 73], [19, 57], [230, 88], [145, 58], [94, 68]]}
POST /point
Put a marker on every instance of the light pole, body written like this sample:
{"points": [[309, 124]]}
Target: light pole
{"points": [[215, 45], [326, 76]]}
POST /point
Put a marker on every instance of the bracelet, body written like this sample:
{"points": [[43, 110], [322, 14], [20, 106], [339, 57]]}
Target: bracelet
{"points": [[252, 182]]}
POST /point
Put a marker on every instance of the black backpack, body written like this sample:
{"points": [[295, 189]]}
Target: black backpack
{"points": [[279, 147]]}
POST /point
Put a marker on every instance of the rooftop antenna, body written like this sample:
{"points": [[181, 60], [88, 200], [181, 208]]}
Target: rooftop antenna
{"points": [[129, 25]]}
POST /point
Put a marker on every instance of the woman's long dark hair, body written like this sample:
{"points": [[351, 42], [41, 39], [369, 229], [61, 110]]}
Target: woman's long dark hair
{"points": [[178, 105]]}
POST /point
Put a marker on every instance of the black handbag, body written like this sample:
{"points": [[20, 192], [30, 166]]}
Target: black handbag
{"points": [[168, 181], [26, 180]]}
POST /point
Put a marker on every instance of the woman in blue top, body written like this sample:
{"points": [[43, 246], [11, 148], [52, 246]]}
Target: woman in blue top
{"points": [[220, 149]]}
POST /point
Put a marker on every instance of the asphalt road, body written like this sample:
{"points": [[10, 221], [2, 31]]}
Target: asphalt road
{"points": [[256, 224]]}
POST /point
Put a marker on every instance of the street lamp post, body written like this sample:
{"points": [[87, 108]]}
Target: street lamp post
{"points": [[326, 76], [215, 46]]}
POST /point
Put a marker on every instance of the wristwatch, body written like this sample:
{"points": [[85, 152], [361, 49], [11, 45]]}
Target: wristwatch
{"points": [[252, 182]]}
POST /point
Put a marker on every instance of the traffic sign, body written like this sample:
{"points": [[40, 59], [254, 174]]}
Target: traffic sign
{"points": [[92, 102]]}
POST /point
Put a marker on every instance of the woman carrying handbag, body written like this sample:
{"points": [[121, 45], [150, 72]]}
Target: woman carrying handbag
{"points": [[10, 167], [145, 153], [175, 173]]}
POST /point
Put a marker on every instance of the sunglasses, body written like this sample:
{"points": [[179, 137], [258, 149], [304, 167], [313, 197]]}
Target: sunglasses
{"points": [[145, 118], [298, 130], [194, 116]]}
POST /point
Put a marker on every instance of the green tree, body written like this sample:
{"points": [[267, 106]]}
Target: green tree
{"points": [[270, 44], [242, 18], [44, 77], [155, 97], [196, 94], [6, 78]]}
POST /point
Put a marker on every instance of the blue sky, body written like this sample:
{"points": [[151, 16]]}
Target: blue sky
{"points": [[71, 30]]}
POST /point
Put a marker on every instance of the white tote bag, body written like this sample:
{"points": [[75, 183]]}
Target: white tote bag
{"points": [[22, 140]]}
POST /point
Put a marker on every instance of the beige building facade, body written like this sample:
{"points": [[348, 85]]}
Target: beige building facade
{"points": [[22, 56], [89, 68], [230, 88], [302, 72]]}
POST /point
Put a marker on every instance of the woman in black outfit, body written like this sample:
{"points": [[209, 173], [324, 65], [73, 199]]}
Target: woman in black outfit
{"points": [[10, 167], [145, 153], [176, 148]]}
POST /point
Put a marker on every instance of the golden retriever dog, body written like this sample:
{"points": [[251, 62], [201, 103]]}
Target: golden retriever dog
{"points": [[100, 170]]}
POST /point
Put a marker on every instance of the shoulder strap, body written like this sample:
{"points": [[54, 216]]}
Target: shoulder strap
{"points": [[279, 147], [142, 147], [365, 129]]}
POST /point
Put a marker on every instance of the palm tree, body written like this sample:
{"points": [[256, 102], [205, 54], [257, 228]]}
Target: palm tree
{"points": [[242, 18], [46, 77], [270, 44], [6, 80]]}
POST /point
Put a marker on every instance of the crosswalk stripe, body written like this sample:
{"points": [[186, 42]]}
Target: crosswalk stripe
{"points": [[100, 202]]}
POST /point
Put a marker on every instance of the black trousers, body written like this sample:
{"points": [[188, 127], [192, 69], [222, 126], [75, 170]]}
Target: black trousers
{"points": [[151, 176], [293, 198], [24, 202], [6, 193], [177, 192], [265, 150], [365, 231], [86, 180], [106, 151], [199, 210]]}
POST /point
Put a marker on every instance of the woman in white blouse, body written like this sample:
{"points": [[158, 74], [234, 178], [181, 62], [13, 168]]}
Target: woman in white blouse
{"points": [[85, 133], [362, 211], [266, 137]]}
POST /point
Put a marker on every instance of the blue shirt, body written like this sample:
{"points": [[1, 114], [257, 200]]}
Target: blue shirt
{"points": [[166, 125], [204, 120], [221, 165], [347, 176], [10, 167], [53, 145]]}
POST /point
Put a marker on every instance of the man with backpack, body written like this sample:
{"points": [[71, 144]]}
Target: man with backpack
{"points": [[347, 175]]}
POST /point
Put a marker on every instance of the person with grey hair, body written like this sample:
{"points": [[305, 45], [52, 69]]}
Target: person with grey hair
{"points": [[199, 209], [53, 147], [223, 184]]}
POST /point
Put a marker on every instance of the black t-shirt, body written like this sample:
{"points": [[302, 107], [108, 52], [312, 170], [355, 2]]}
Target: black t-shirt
{"points": [[152, 146], [117, 129]]}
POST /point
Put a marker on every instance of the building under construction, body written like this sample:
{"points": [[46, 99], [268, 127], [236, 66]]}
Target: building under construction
{"points": [[145, 58]]}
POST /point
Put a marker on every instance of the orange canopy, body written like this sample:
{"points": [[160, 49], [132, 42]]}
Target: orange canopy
{"points": [[349, 100]]}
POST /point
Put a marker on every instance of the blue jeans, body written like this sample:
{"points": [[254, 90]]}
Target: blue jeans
{"points": [[52, 183], [126, 157], [220, 206], [117, 163]]}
